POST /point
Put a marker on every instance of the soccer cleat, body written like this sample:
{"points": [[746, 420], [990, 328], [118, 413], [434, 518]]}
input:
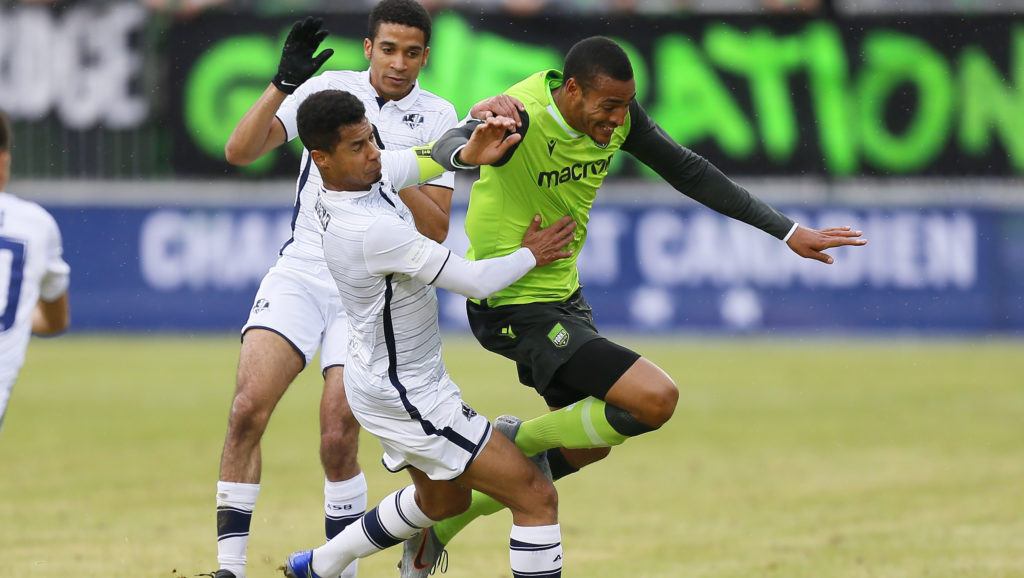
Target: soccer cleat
{"points": [[508, 425], [300, 565], [422, 555], [222, 573]]}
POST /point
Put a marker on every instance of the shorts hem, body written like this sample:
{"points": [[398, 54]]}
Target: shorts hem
{"points": [[246, 329]]}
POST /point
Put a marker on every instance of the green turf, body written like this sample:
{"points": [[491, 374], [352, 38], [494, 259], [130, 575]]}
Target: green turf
{"points": [[809, 458]]}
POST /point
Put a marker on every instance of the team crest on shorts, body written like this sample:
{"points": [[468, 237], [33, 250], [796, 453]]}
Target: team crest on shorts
{"points": [[260, 306], [559, 335], [468, 411], [413, 119]]}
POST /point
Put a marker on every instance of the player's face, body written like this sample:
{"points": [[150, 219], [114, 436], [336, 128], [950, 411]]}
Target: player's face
{"points": [[601, 108], [354, 165], [396, 56]]}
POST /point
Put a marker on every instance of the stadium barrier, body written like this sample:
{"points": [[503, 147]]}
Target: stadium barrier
{"points": [[651, 267]]}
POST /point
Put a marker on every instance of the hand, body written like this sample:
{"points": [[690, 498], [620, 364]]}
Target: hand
{"points": [[488, 142], [500, 105], [548, 244], [810, 243], [297, 61]]}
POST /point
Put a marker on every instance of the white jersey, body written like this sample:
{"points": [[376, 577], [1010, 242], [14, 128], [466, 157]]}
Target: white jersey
{"points": [[382, 265], [418, 119], [395, 379], [31, 267]]}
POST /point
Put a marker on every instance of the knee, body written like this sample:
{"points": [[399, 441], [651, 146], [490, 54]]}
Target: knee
{"points": [[339, 428], [664, 403], [541, 500], [249, 415], [659, 404], [547, 496]]}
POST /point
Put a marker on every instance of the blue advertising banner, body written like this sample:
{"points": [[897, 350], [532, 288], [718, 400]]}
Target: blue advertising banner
{"points": [[650, 267]]}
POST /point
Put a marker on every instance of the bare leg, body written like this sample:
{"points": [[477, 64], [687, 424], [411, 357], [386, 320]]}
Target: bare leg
{"points": [[267, 365]]}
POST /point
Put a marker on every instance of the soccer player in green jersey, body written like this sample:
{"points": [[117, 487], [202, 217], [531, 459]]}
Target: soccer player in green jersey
{"points": [[572, 124]]}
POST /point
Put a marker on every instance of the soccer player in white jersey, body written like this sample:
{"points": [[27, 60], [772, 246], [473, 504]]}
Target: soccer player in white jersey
{"points": [[297, 308], [395, 379], [33, 275]]}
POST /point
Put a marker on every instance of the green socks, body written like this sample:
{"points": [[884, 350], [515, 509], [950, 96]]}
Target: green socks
{"points": [[583, 424]]}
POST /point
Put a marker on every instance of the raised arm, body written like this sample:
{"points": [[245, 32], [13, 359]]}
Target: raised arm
{"points": [[259, 131], [476, 143]]}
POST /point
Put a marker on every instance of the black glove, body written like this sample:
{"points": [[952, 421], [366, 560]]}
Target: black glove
{"points": [[297, 61]]}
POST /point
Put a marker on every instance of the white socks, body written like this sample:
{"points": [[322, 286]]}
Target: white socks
{"points": [[396, 519], [344, 503], [536, 551], [235, 502]]}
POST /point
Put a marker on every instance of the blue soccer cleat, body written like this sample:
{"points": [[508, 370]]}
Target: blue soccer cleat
{"points": [[300, 565]]}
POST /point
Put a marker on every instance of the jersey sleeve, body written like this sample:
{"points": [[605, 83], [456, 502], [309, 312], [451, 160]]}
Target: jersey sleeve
{"points": [[57, 277], [409, 167], [392, 245], [695, 177]]}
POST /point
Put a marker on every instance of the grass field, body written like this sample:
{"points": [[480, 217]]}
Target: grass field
{"points": [[809, 457]]}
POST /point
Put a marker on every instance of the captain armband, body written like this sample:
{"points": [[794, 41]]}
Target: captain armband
{"points": [[429, 169]]}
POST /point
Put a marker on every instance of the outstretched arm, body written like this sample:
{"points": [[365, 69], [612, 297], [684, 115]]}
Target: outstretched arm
{"points": [[259, 132], [392, 245], [700, 180], [483, 278]]}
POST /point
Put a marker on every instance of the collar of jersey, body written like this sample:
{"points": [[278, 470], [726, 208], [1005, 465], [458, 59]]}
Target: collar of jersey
{"points": [[349, 195], [405, 103], [553, 110]]}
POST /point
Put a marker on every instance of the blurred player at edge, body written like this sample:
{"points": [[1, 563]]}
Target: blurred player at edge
{"points": [[600, 393], [297, 308], [33, 275], [396, 381]]}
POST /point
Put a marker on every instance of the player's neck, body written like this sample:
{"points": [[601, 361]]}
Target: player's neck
{"points": [[342, 188], [558, 96]]}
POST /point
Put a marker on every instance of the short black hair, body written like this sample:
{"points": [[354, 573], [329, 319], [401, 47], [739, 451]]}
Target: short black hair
{"points": [[406, 12], [596, 56], [5, 133], [322, 114]]}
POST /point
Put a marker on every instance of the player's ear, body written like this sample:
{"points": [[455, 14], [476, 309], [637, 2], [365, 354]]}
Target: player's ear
{"points": [[572, 87], [321, 158], [426, 55], [367, 48]]}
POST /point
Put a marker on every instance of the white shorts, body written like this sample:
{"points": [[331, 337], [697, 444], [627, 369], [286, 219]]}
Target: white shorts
{"points": [[299, 301], [429, 427]]}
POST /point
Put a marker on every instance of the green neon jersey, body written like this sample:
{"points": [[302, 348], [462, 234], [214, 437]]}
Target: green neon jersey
{"points": [[554, 172]]}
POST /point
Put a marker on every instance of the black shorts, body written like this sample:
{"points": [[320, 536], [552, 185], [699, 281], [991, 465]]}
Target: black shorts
{"points": [[556, 346]]}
